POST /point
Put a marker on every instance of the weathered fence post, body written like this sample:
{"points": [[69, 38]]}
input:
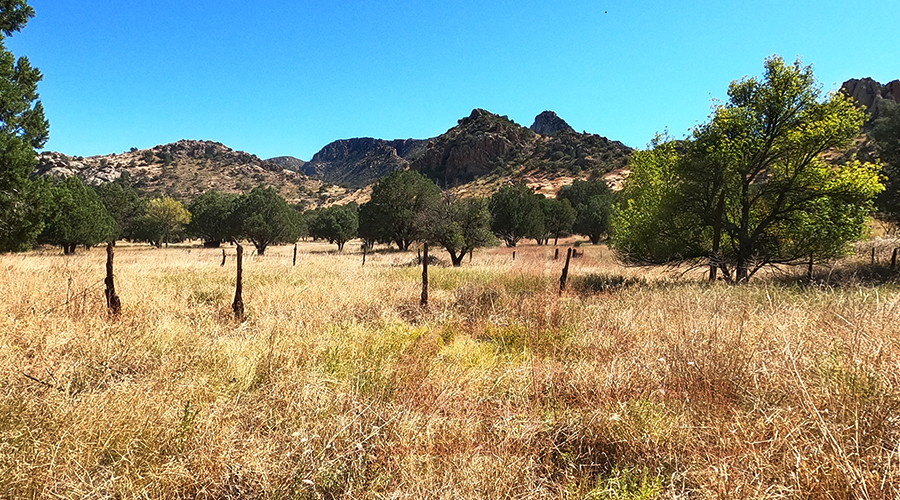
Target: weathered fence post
{"points": [[894, 260], [565, 272], [514, 255], [295, 254], [556, 254], [223, 257], [365, 249], [238, 305], [873, 255], [425, 275], [112, 300], [809, 269]]}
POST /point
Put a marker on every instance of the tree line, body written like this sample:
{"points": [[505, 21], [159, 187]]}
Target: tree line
{"points": [[748, 188]]}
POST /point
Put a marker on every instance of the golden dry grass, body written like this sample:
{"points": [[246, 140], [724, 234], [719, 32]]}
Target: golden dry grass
{"points": [[633, 384]]}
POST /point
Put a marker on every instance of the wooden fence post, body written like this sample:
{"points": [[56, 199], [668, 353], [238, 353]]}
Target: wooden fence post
{"points": [[238, 305], [424, 300], [514, 255], [295, 254], [873, 255], [894, 260], [809, 269], [112, 300], [556, 254], [223, 257], [565, 272]]}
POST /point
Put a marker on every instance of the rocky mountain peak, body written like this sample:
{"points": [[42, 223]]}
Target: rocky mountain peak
{"points": [[872, 94], [549, 123]]}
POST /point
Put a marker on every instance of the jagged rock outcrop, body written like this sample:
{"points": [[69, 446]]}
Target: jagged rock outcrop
{"points": [[872, 94], [484, 143], [361, 161], [548, 123]]}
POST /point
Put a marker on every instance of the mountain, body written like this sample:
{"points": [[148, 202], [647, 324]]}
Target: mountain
{"points": [[486, 144], [356, 163], [186, 169]]}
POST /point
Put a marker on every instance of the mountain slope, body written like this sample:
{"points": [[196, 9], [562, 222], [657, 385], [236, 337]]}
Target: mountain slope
{"points": [[186, 169], [358, 162]]}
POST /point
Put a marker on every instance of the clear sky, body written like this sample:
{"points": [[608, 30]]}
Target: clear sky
{"points": [[285, 78]]}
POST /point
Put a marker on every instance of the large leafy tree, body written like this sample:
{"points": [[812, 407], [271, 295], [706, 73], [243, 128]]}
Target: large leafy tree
{"points": [[750, 187], [338, 223], [460, 226], [77, 217], [265, 218], [592, 201], [23, 129], [397, 200], [210, 217], [516, 213]]}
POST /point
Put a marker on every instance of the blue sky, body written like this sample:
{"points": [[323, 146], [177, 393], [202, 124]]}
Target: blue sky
{"points": [[286, 78]]}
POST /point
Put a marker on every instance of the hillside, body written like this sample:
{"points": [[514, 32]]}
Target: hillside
{"points": [[186, 169], [356, 163]]}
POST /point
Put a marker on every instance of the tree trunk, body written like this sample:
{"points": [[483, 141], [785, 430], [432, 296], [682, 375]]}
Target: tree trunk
{"points": [[238, 305], [456, 260], [717, 237], [261, 249]]}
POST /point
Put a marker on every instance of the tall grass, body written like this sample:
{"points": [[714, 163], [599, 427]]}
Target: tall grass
{"points": [[632, 384]]}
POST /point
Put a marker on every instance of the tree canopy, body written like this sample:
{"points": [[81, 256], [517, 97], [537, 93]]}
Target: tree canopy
{"points": [[23, 129], [460, 226], [749, 188], [397, 200], [210, 217], [163, 219], [265, 218], [337, 224], [77, 217], [592, 201], [516, 214]]}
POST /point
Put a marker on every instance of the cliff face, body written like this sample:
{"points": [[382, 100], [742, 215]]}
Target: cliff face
{"points": [[872, 94], [358, 162]]}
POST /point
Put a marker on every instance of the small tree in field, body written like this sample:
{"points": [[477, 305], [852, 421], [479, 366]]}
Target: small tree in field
{"points": [[165, 216], [592, 201], [210, 217], [337, 224], [265, 218], [460, 226], [750, 187], [558, 218], [516, 214], [397, 200], [77, 217]]}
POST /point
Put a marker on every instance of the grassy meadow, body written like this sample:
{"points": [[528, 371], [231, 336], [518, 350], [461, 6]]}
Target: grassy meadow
{"points": [[634, 384]]}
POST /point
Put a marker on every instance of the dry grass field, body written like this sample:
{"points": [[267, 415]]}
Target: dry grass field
{"points": [[633, 384]]}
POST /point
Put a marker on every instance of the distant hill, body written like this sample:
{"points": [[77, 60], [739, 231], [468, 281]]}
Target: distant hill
{"points": [[186, 169], [356, 163], [872, 94], [288, 162]]}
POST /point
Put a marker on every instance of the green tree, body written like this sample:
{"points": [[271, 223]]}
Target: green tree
{"points": [[886, 132], [264, 218], [592, 201], [516, 214], [78, 217], [460, 226], [164, 218], [338, 224], [23, 129], [123, 204], [559, 216], [211, 217], [397, 200], [750, 187]]}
